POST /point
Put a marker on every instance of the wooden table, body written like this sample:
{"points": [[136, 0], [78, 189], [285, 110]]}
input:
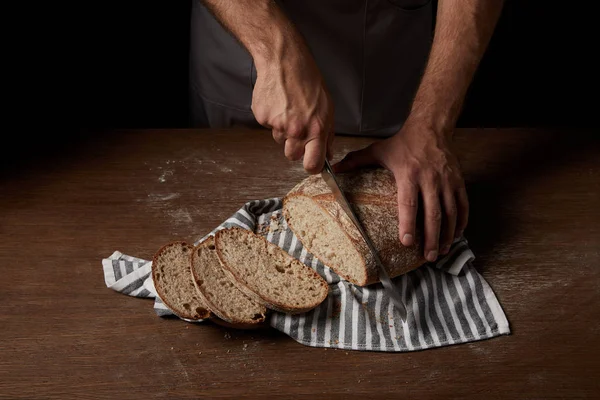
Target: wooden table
{"points": [[535, 229]]}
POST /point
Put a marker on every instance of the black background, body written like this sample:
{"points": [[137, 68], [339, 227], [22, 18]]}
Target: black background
{"points": [[124, 64]]}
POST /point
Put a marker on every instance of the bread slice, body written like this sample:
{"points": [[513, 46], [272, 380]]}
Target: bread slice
{"points": [[173, 281], [219, 293], [325, 230], [267, 274]]}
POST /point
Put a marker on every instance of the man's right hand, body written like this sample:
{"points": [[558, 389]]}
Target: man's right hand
{"points": [[289, 95], [290, 98]]}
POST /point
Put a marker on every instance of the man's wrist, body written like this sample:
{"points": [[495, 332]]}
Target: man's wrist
{"points": [[437, 125]]}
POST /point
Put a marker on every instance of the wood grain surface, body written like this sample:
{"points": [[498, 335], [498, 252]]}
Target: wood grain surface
{"points": [[535, 230]]}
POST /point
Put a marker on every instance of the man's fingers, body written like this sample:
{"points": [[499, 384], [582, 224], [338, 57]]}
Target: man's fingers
{"points": [[314, 156], [330, 139], [462, 205], [279, 136], [408, 200], [433, 220], [449, 226], [355, 160], [294, 149]]}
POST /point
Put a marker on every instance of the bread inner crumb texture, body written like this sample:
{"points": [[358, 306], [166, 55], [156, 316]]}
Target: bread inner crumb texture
{"points": [[324, 238], [173, 278], [229, 302], [269, 271]]}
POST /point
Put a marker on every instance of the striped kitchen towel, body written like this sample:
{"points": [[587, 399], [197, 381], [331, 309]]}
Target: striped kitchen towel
{"points": [[448, 302]]}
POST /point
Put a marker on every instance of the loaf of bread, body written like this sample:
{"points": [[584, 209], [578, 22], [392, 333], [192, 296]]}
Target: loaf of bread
{"points": [[325, 230], [219, 293], [173, 281], [267, 274]]}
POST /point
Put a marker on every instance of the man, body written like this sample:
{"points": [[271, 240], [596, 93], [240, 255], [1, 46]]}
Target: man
{"points": [[285, 64]]}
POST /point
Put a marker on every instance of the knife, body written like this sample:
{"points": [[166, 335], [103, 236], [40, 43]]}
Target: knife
{"points": [[329, 178]]}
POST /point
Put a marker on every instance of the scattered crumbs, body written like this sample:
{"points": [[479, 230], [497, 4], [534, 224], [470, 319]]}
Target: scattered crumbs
{"points": [[359, 381], [225, 169], [228, 351], [199, 353], [347, 353], [186, 327], [197, 344], [171, 348], [274, 224], [337, 308], [378, 318], [315, 374], [163, 177], [245, 346], [227, 335]]}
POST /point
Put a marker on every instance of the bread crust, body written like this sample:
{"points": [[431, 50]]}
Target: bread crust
{"points": [[240, 282], [373, 194], [205, 312], [223, 319]]}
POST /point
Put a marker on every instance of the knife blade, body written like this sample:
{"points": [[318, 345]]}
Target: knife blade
{"points": [[329, 177]]}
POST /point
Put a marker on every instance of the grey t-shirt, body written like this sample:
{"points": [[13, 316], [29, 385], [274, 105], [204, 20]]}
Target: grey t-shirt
{"points": [[371, 54]]}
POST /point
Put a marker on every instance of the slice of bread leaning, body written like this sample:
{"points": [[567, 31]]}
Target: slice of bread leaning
{"points": [[218, 291], [174, 283], [325, 230], [267, 274]]}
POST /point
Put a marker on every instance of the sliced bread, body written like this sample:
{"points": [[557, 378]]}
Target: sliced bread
{"points": [[267, 274], [218, 291], [324, 229], [174, 283]]}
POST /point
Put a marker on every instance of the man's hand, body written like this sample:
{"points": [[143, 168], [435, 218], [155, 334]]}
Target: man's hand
{"points": [[289, 95], [419, 155], [290, 98], [424, 166]]}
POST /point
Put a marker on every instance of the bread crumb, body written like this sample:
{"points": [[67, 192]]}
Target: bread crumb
{"points": [[200, 353], [228, 351], [171, 348], [337, 308], [346, 353], [274, 226], [245, 346]]}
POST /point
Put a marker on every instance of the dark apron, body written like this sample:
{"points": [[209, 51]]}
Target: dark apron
{"points": [[371, 54]]}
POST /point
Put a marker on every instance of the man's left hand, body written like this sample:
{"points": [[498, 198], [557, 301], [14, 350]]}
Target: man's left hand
{"points": [[422, 164]]}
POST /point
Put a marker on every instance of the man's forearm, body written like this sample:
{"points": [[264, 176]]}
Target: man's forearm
{"points": [[462, 33], [261, 26]]}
